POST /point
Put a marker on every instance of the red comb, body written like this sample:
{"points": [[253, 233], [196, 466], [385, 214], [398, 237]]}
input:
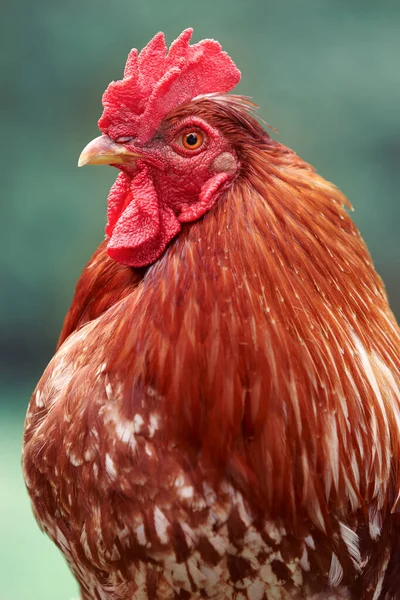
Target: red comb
{"points": [[157, 81]]}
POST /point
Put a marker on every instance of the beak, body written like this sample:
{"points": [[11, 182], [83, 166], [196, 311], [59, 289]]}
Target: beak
{"points": [[103, 151]]}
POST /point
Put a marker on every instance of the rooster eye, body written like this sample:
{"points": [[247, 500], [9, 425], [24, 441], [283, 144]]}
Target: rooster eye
{"points": [[192, 140]]}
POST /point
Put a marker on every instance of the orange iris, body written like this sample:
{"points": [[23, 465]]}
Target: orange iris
{"points": [[192, 140]]}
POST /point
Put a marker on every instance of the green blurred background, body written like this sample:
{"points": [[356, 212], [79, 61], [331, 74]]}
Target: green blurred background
{"points": [[326, 74]]}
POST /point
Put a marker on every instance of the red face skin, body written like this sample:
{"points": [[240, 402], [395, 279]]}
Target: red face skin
{"points": [[166, 185]]}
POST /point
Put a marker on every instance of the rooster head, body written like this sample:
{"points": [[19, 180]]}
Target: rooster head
{"points": [[173, 163]]}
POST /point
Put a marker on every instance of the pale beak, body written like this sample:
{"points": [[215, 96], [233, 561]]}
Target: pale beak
{"points": [[103, 151]]}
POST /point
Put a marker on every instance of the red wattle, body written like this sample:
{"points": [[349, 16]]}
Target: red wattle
{"points": [[119, 196], [139, 227]]}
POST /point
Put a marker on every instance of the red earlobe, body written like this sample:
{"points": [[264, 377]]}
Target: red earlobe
{"points": [[208, 196]]}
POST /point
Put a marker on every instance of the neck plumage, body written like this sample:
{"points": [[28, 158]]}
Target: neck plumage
{"points": [[267, 332]]}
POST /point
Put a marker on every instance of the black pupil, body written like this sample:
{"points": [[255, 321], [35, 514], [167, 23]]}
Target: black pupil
{"points": [[191, 139]]}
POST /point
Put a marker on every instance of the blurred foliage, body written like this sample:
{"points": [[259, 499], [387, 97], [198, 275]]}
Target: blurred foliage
{"points": [[325, 74]]}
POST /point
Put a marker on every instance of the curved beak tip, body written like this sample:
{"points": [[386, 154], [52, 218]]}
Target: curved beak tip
{"points": [[94, 152], [82, 160], [104, 151]]}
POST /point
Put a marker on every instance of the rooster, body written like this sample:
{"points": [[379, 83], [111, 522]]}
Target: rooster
{"points": [[222, 416]]}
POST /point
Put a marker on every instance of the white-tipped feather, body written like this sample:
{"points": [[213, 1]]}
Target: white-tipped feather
{"points": [[352, 542], [335, 572]]}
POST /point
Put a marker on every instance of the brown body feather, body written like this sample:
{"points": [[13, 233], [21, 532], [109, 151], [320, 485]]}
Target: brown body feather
{"points": [[256, 363]]}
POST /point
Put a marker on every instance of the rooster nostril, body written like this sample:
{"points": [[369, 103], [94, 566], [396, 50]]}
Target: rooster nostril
{"points": [[124, 139]]}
